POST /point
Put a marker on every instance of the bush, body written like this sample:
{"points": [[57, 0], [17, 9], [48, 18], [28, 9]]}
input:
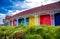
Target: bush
{"points": [[34, 36], [27, 32], [57, 32], [19, 35], [30, 30]]}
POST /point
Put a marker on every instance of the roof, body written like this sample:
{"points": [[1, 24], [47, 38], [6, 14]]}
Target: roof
{"points": [[52, 6], [7, 17]]}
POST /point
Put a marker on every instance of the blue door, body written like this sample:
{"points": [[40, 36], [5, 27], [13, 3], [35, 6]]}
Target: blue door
{"points": [[20, 21], [27, 21], [57, 19]]}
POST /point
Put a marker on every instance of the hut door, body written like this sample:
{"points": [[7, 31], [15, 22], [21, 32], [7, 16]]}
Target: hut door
{"points": [[45, 20], [57, 19]]}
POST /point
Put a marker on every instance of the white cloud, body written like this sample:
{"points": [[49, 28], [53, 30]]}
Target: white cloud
{"points": [[50, 1], [18, 5], [4, 8], [31, 3], [35, 3], [28, 4], [2, 16], [11, 12]]}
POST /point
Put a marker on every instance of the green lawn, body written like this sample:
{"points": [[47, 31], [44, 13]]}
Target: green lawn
{"points": [[27, 32]]}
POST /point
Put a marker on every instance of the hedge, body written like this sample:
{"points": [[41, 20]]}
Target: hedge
{"points": [[27, 32]]}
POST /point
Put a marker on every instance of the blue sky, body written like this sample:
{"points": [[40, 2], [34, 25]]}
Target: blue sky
{"points": [[12, 7]]}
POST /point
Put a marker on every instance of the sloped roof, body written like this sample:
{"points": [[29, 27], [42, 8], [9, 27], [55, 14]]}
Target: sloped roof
{"points": [[7, 17], [40, 9]]}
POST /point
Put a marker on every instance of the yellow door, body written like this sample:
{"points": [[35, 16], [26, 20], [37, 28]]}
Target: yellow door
{"points": [[31, 21]]}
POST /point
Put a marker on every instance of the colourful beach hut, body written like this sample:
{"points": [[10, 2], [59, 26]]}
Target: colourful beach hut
{"points": [[42, 15]]}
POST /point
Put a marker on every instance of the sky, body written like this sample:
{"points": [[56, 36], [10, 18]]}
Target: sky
{"points": [[12, 7]]}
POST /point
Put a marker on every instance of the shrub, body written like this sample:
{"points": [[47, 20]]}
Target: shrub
{"points": [[27, 32], [57, 32], [19, 35], [48, 36], [30, 30], [34, 36]]}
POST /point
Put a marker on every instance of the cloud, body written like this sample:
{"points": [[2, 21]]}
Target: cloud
{"points": [[12, 12], [19, 6], [35, 3], [22, 4], [27, 4], [3, 10], [2, 16]]}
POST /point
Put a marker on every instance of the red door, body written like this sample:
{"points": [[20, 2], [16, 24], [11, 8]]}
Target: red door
{"points": [[14, 23], [45, 20]]}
